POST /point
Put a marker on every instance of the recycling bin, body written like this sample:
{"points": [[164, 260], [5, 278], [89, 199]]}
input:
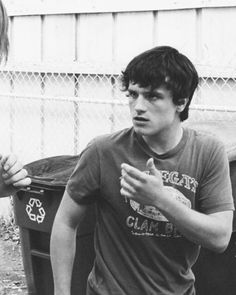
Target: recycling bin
{"points": [[35, 208]]}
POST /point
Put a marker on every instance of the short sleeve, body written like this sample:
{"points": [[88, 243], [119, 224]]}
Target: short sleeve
{"points": [[84, 183], [215, 191]]}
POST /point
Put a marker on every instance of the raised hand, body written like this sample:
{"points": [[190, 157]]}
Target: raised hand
{"points": [[144, 187]]}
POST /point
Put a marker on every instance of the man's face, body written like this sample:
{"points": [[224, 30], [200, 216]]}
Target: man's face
{"points": [[153, 112]]}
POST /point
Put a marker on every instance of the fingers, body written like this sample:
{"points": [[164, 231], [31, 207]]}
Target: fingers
{"points": [[11, 167], [22, 183], [135, 183], [131, 180], [15, 178], [132, 172], [9, 161], [126, 188], [13, 172]]}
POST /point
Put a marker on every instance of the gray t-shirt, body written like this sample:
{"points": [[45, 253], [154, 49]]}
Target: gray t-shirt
{"points": [[138, 251]]}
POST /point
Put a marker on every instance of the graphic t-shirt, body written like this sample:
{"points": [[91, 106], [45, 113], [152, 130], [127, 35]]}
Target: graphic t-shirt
{"points": [[138, 251]]}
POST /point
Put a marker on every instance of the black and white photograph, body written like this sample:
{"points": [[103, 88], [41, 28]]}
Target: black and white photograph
{"points": [[118, 147]]}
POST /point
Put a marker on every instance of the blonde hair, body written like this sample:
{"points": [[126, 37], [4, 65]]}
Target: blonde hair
{"points": [[4, 41]]}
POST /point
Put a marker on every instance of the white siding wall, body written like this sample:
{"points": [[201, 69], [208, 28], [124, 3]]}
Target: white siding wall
{"points": [[50, 31]]}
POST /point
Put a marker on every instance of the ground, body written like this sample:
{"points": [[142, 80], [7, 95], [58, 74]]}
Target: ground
{"points": [[12, 277]]}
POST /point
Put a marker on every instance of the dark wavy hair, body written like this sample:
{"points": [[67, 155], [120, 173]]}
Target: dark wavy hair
{"points": [[163, 66], [4, 41]]}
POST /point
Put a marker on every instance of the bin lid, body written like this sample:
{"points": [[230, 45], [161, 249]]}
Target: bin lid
{"points": [[51, 172], [223, 129]]}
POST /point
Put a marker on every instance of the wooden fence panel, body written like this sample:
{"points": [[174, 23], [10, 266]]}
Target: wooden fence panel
{"points": [[133, 34], [58, 38], [178, 29], [95, 38], [26, 39], [218, 37]]}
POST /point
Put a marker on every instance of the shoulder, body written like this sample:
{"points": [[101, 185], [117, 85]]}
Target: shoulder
{"points": [[206, 145], [113, 139], [204, 138]]}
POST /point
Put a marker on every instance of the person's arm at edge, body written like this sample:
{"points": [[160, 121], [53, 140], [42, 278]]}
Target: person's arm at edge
{"points": [[63, 243]]}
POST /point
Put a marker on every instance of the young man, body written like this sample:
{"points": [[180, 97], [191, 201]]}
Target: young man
{"points": [[12, 174], [161, 190]]}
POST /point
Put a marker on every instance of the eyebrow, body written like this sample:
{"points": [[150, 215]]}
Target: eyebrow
{"points": [[148, 92], [154, 93]]}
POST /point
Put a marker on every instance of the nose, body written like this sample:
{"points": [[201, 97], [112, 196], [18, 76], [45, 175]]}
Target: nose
{"points": [[140, 104]]}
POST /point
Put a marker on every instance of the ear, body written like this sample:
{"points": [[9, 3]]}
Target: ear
{"points": [[182, 104]]}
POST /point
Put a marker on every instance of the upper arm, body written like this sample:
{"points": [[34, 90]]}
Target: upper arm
{"points": [[70, 212], [215, 192], [84, 183]]}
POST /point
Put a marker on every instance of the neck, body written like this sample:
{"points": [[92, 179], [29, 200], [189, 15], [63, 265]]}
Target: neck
{"points": [[162, 143]]}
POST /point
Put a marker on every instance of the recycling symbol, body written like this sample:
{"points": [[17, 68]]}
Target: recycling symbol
{"points": [[35, 210]]}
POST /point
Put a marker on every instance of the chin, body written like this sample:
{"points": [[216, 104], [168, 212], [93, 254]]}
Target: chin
{"points": [[141, 131]]}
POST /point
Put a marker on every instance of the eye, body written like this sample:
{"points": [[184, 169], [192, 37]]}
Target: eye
{"points": [[151, 97], [131, 94]]}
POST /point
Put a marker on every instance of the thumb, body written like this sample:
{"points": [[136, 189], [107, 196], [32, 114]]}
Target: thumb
{"points": [[151, 167]]}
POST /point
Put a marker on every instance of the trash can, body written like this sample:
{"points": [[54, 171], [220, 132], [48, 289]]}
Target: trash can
{"points": [[35, 209], [215, 273]]}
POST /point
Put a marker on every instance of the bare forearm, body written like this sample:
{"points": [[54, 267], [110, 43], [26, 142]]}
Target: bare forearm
{"points": [[62, 249], [210, 231]]}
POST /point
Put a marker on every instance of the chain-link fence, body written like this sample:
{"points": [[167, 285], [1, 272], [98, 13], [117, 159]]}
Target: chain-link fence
{"points": [[46, 113]]}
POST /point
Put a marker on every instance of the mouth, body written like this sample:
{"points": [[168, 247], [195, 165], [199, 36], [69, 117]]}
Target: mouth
{"points": [[139, 119]]}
